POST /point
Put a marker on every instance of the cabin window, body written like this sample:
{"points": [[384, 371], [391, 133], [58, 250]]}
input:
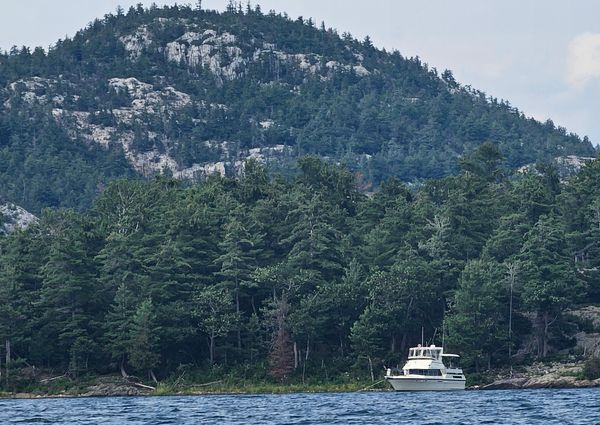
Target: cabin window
{"points": [[427, 353], [411, 353], [425, 372]]}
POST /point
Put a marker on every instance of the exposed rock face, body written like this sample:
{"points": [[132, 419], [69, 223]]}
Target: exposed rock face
{"points": [[589, 312], [566, 165], [544, 376], [135, 43], [588, 342], [573, 162], [146, 100], [549, 381], [13, 217], [34, 90], [226, 58], [144, 97], [215, 52]]}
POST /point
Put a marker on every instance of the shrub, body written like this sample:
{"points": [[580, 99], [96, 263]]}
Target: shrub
{"points": [[591, 368]]}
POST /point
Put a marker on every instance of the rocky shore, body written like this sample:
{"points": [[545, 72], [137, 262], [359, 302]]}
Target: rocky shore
{"points": [[539, 375], [111, 389], [104, 386]]}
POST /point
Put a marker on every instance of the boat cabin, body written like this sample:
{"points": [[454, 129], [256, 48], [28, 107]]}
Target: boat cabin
{"points": [[428, 361]]}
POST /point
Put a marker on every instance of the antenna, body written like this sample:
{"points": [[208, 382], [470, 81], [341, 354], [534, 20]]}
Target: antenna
{"points": [[422, 337], [443, 334]]}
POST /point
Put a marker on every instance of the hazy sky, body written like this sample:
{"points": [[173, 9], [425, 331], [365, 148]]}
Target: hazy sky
{"points": [[541, 55]]}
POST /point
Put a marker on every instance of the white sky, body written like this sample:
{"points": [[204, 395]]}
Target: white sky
{"points": [[541, 55]]}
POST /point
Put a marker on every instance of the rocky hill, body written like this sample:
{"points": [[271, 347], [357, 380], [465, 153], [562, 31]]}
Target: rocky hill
{"points": [[190, 92], [13, 217]]}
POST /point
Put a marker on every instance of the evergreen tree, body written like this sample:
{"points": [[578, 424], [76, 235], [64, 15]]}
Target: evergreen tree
{"points": [[142, 348], [550, 280], [239, 259], [477, 323], [118, 324], [20, 258], [315, 240], [68, 291]]}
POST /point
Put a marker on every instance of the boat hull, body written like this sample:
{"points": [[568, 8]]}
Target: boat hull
{"points": [[402, 383]]}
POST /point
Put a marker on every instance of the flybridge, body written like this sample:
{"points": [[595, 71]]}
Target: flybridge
{"points": [[419, 352]]}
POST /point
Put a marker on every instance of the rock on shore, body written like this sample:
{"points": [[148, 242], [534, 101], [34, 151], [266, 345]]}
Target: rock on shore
{"points": [[558, 375], [108, 386]]}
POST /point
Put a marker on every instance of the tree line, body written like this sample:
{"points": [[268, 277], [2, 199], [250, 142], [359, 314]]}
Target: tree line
{"points": [[303, 277]]}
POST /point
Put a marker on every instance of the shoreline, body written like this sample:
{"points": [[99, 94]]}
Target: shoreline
{"points": [[504, 384], [34, 396], [28, 396], [551, 375], [113, 386]]}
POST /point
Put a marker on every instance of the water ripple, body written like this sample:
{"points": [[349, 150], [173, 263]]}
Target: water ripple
{"points": [[562, 407]]}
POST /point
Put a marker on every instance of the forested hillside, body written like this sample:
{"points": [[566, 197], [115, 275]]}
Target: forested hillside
{"points": [[190, 92], [306, 278]]}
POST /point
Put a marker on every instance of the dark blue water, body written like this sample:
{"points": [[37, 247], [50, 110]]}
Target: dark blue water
{"points": [[580, 406]]}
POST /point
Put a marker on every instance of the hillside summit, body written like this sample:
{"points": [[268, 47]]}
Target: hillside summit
{"points": [[190, 92]]}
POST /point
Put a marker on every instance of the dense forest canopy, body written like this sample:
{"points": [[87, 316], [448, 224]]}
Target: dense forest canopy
{"points": [[304, 277], [187, 92]]}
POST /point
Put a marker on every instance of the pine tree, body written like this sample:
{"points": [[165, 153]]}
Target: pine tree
{"points": [[478, 315], [143, 344], [315, 239], [118, 324], [68, 291], [240, 250], [20, 256], [550, 282]]}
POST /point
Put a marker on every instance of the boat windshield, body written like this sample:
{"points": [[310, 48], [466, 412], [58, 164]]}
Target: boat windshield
{"points": [[451, 360], [430, 353]]}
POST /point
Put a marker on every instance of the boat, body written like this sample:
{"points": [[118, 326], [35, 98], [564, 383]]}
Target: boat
{"points": [[425, 371]]}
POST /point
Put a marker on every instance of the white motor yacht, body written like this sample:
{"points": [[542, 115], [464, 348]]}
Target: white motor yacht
{"points": [[425, 371]]}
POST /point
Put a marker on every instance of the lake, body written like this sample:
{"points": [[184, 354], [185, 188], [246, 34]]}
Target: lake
{"points": [[568, 406]]}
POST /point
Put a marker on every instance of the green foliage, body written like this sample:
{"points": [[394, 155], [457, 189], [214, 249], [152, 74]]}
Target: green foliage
{"points": [[591, 368], [478, 321], [214, 312], [159, 274], [118, 322], [381, 113], [142, 347], [292, 277]]}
